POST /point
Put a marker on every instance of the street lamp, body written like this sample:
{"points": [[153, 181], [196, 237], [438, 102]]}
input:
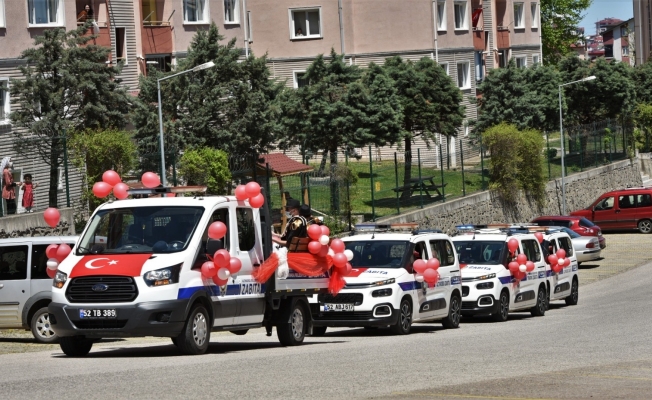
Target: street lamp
{"points": [[160, 112], [561, 133]]}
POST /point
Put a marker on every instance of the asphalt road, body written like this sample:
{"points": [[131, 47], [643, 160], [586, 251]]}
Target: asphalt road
{"points": [[600, 348]]}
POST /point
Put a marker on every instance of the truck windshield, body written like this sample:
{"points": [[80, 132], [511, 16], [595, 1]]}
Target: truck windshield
{"points": [[479, 252], [378, 253], [160, 229]]}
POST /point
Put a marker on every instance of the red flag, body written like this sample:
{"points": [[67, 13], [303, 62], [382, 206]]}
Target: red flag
{"points": [[476, 16], [110, 264]]}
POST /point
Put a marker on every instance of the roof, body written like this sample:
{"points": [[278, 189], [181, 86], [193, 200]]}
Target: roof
{"points": [[41, 240], [282, 165], [394, 236]]}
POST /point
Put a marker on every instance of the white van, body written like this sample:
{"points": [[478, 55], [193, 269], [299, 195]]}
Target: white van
{"points": [[25, 288], [565, 284]]}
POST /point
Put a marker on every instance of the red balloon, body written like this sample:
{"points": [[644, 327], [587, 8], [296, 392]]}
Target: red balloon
{"points": [[512, 244], [521, 259], [62, 252], [325, 230], [338, 246], [433, 263], [234, 265], [120, 191], [51, 251], [221, 258], [101, 189], [314, 247], [347, 269], [314, 231], [217, 230], [419, 266], [252, 189], [241, 193], [530, 266], [339, 260], [257, 201], [553, 259], [324, 250], [561, 253], [208, 269], [539, 236], [218, 281], [513, 267], [51, 272], [430, 276], [111, 177], [51, 217], [150, 180], [518, 275]]}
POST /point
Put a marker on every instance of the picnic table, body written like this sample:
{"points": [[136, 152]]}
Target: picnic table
{"points": [[425, 184]]}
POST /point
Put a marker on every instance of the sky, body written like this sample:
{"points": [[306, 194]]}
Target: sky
{"points": [[600, 9]]}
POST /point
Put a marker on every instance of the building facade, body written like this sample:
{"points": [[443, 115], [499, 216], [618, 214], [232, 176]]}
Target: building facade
{"points": [[618, 43], [642, 30]]}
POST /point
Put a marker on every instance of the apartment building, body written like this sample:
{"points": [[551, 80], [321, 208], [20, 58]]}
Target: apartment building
{"points": [[642, 30], [618, 45]]}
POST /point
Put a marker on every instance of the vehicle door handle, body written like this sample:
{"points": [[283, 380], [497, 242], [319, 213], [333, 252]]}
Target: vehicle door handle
{"points": [[617, 211]]}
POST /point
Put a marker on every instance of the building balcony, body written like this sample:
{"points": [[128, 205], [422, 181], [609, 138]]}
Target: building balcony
{"points": [[479, 39], [502, 37], [157, 37]]}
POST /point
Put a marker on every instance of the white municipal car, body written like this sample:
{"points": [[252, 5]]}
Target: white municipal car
{"points": [[488, 287], [565, 284], [143, 277], [382, 289]]}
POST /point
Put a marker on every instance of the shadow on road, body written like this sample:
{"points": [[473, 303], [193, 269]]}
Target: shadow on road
{"points": [[26, 340], [380, 332], [486, 319]]}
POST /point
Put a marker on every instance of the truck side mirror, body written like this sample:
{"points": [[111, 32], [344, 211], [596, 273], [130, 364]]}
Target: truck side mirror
{"points": [[214, 245]]}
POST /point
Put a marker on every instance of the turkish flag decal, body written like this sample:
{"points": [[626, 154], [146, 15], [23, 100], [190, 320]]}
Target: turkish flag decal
{"points": [[355, 272], [110, 264]]}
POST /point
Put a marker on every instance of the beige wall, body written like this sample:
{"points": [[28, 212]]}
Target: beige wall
{"points": [[528, 34], [456, 38], [642, 25]]}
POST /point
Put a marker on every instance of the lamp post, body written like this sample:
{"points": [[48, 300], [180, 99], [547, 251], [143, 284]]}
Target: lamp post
{"points": [[561, 134], [160, 112]]}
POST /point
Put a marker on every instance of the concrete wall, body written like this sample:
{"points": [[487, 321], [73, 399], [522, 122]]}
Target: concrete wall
{"points": [[33, 224], [483, 208]]}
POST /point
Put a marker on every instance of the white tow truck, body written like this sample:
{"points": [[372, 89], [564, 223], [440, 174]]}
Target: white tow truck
{"points": [[145, 278]]}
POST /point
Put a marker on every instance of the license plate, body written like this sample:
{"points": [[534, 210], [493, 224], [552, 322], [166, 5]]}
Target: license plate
{"points": [[338, 307], [96, 313]]}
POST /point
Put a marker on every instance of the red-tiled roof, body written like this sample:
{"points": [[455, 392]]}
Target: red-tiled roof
{"points": [[280, 164]]}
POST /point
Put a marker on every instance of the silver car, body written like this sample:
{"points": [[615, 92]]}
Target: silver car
{"points": [[587, 248]]}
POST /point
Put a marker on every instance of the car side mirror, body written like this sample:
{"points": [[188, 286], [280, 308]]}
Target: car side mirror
{"points": [[214, 245]]}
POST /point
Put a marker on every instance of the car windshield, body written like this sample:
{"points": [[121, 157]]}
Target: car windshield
{"points": [[161, 229], [481, 252], [378, 253], [586, 223], [571, 233]]}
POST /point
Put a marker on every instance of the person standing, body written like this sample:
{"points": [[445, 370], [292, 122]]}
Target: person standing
{"points": [[28, 193], [8, 186]]}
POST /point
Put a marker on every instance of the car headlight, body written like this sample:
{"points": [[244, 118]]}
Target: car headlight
{"points": [[485, 277], [382, 292], [163, 276], [385, 282], [60, 279]]}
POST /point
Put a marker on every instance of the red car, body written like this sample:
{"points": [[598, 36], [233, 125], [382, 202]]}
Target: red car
{"points": [[578, 224], [621, 209]]}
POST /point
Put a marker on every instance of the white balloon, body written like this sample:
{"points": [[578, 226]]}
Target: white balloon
{"points": [[418, 277], [522, 268], [349, 254], [561, 262], [52, 263], [324, 240], [223, 273]]}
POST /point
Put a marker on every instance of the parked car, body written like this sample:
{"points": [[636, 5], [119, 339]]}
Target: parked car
{"points": [[25, 288], [587, 248], [621, 209], [576, 223]]}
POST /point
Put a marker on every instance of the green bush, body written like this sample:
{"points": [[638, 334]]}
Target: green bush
{"points": [[552, 153], [206, 167]]}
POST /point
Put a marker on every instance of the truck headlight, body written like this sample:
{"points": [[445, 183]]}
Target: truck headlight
{"points": [[385, 282], [382, 292], [60, 279], [484, 277], [163, 276]]}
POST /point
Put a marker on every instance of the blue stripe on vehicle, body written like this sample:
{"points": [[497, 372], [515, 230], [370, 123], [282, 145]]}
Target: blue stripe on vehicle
{"points": [[505, 279], [407, 286], [212, 290]]}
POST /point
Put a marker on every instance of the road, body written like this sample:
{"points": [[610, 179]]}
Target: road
{"points": [[597, 349]]}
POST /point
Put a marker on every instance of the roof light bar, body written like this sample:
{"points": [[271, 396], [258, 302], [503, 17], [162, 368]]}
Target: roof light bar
{"points": [[167, 189], [373, 227]]}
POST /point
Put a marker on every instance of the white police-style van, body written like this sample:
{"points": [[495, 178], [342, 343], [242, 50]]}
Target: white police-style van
{"points": [[145, 278], [382, 289], [25, 287], [488, 287], [565, 284]]}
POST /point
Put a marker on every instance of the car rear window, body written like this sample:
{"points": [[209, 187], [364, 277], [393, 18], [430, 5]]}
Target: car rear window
{"points": [[586, 223], [552, 222]]}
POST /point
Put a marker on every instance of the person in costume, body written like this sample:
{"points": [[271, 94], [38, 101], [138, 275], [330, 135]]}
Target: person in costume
{"points": [[297, 225]]}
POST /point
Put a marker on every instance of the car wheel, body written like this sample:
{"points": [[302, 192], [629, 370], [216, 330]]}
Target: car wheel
{"points": [[539, 310], [292, 330], [645, 226], [452, 321], [75, 346], [41, 328], [503, 308], [319, 330], [574, 296], [196, 335], [404, 322]]}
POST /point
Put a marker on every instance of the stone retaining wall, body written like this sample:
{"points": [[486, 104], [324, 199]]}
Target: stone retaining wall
{"points": [[484, 208], [33, 224]]}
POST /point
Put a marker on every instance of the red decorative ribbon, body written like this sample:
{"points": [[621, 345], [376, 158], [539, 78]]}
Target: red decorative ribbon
{"points": [[305, 264]]}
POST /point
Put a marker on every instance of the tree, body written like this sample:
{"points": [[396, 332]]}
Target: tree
{"points": [[341, 108], [231, 106], [66, 86], [206, 166], [430, 100], [643, 81], [559, 22]]}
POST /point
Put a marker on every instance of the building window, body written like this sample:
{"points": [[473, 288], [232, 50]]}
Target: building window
{"points": [[231, 12], [625, 53], [250, 35], [4, 99], [623, 31], [479, 66], [299, 79], [45, 12], [445, 67], [534, 7], [463, 81], [441, 15], [609, 50], [121, 44], [521, 62], [460, 15], [195, 11], [305, 23], [161, 62], [2, 13], [535, 59], [518, 15]]}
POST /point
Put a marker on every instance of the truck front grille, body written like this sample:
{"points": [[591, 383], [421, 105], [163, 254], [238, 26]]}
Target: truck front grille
{"points": [[119, 289]]}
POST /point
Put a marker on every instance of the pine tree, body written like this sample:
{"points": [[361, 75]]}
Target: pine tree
{"points": [[559, 22]]}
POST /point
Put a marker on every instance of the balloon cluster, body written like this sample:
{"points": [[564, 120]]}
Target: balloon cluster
{"points": [[250, 191], [521, 266], [427, 271], [222, 265], [319, 240], [111, 181], [56, 253], [341, 256], [558, 261]]}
